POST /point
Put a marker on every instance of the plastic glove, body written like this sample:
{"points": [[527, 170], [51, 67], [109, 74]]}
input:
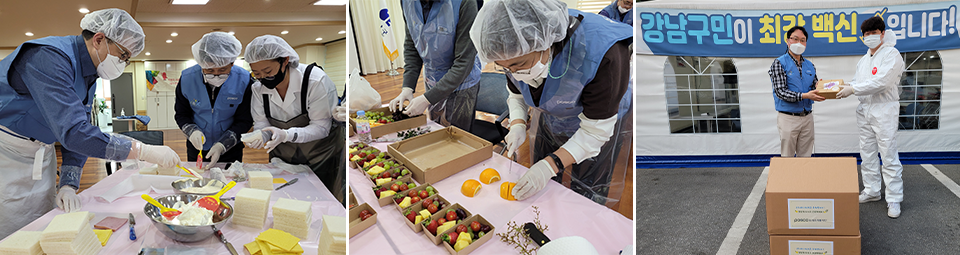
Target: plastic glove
{"points": [[163, 156], [533, 180], [340, 113], [279, 136], [417, 106], [197, 139], [406, 94], [255, 139], [67, 199], [845, 91], [516, 136], [214, 154]]}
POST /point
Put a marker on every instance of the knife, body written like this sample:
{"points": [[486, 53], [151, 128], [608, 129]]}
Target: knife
{"points": [[288, 183], [133, 234], [225, 243]]}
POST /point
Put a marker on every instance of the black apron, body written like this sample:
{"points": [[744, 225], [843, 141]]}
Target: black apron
{"points": [[325, 156]]}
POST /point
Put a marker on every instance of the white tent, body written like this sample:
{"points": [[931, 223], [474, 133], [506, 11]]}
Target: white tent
{"points": [[677, 123]]}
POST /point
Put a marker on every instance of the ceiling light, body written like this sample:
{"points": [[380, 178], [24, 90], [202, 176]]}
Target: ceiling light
{"points": [[189, 2], [331, 2], [319, 38], [174, 34], [148, 53], [169, 41], [84, 10], [231, 32], [284, 32], [29, 34], [342, 32]]}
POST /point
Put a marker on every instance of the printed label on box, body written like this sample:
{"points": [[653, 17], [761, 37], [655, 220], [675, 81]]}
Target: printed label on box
{"points": [[810, 213], [803, 247], [833, 85]]}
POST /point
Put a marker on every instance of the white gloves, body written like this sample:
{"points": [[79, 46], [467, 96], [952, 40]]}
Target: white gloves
{"points": [[845, 91], [254, 139], [533, 180], [406, 94], [214, 154], [516, 136], [67, 199], [160, 155], [340, 113], [197, 139], [279, 136], [417, 106]]}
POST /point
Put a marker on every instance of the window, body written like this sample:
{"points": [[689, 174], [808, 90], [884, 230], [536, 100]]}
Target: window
{"points": [[702, 95], [592, 6], [920, 95]]}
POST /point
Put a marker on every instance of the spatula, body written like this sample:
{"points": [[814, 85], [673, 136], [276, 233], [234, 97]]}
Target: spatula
{"points": [[167, 212], [212, 202]]}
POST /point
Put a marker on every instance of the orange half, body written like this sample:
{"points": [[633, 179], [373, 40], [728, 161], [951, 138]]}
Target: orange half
{"points": [[489, 176], [470, 188], [506, 190]]}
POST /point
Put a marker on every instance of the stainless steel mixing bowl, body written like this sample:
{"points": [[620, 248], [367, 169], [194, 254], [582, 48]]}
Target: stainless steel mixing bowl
{"points": [[184, 183], [187, 233]]}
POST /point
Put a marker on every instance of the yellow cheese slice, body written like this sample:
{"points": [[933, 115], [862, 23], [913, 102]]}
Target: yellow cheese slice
{"points": [[278, 238], [103, 235], [279, 180]]}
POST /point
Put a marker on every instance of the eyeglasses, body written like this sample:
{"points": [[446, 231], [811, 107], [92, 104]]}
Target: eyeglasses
{"points": [[800, 40], [124, 55]]}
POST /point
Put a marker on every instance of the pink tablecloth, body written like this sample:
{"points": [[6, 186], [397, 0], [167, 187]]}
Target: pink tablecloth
{"points": [[565, 212], [308, 188]]}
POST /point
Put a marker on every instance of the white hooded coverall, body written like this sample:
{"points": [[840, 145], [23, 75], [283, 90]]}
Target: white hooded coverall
{"points": [[876, 86]]}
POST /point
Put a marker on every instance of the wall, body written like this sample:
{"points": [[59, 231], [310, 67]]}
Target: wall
{"points": [[336, 66]]}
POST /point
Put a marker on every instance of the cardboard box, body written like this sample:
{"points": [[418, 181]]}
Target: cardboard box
{"points": [[786, 244], [829, 88], [440, 214], [407, 193], [419, 206], [473, 246], [393, 127], [387, 200], [441, 153], [813, 196], [356, 225], [352, 201]]}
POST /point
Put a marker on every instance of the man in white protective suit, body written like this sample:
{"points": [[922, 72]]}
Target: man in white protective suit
{"points": [[876, 86]]}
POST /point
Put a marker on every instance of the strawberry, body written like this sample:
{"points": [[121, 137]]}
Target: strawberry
{"points": [[432, 227], [450, 238]]}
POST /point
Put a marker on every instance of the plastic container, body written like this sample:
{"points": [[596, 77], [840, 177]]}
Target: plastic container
{"points": [[363, 128]]}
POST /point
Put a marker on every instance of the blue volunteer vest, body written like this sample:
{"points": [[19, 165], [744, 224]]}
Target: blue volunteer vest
{"points": [[435, 39], [615, 12], [796, 82], [213, 120], [19, 112], [577, 63]]}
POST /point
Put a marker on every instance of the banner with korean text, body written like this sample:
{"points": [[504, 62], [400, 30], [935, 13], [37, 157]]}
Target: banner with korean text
{"points": [[762, 33]]}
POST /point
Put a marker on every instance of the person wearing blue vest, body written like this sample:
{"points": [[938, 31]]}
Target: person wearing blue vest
{"points": [[213, 100], [438, 43], [794, 80], [293, 107], [573, 69], [619, 10], [46, 91]]}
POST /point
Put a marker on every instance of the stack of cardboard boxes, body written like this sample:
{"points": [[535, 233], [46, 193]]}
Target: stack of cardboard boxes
{"points": [[812, 206]]}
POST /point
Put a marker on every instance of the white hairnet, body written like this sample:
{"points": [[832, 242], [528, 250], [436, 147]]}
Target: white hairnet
{"points": [[506, 29], [216, 49], [118, 26], [267, 47]]}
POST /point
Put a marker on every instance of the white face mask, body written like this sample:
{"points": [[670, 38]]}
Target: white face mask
{"points": [[215, 80], [535, 75], [110, 67], [872, 41], [797, 48], [622, 10]]}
